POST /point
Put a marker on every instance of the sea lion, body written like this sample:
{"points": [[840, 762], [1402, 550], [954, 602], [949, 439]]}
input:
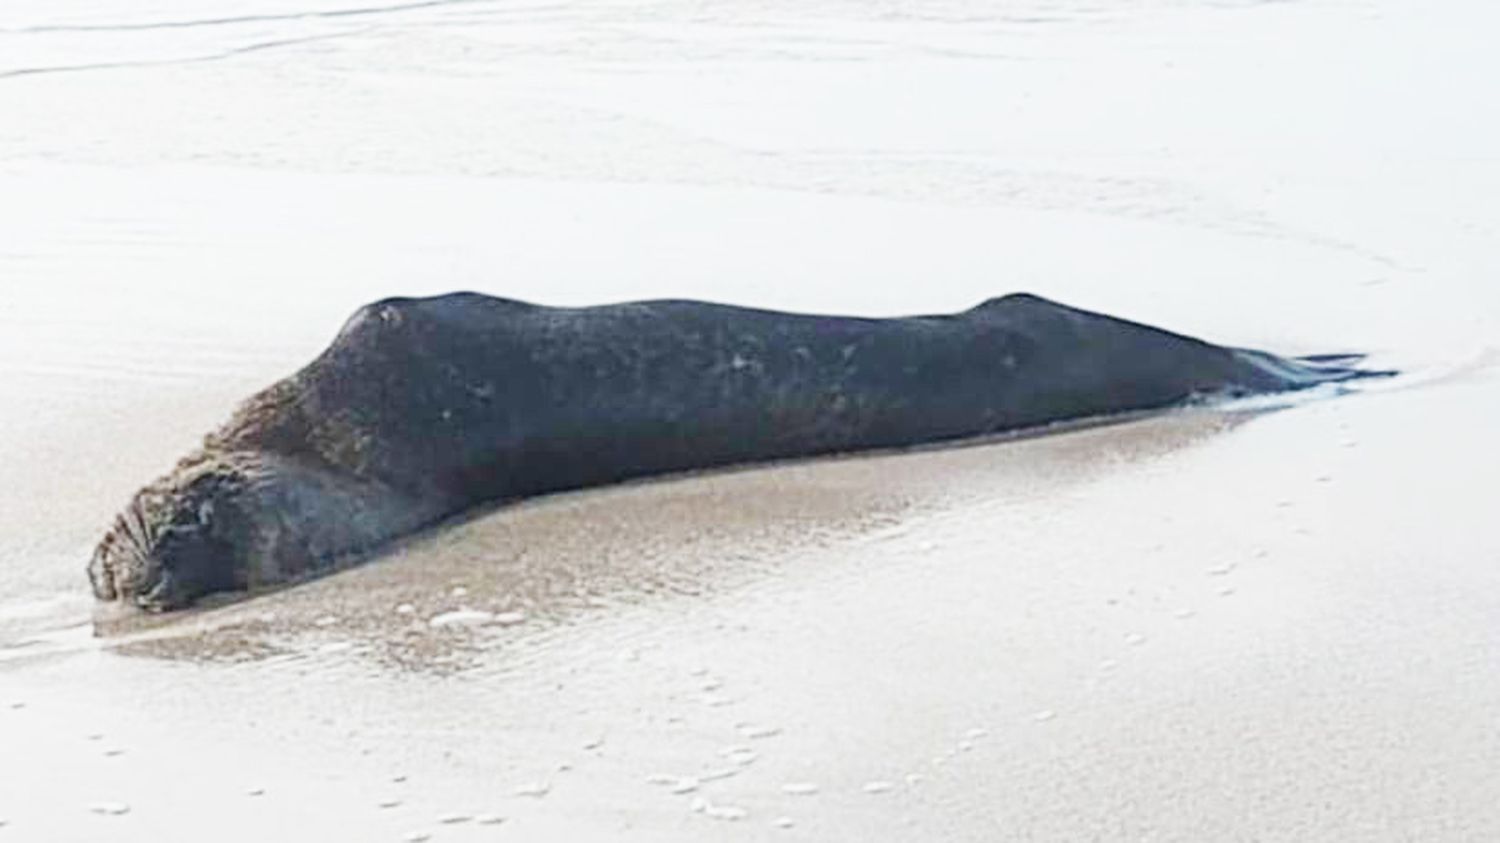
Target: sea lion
{"points": [[423, 408]]}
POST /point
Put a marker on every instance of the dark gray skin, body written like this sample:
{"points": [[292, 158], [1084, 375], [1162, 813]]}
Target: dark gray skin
{"points": [[423, 408]]}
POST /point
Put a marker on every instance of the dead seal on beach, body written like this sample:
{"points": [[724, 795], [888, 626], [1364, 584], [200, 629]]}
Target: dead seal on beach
{"points": [[424, 408]]}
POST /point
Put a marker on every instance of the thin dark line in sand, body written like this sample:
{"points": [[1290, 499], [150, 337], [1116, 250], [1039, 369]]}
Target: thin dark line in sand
{"points": [[219, 56], [358, 11]]}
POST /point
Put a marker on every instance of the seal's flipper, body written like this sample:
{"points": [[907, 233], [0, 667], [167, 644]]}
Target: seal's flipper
{"points": [[1348, 358], [1311, 370]]}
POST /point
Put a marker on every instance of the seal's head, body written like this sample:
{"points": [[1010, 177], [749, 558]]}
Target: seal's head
{"points": [[237, 521], [167, 548]]}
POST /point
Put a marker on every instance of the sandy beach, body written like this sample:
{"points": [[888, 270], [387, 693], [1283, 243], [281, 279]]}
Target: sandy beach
{"points": [[1265, 621]]}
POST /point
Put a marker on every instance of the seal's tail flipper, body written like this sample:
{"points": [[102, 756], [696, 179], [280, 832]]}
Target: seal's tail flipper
{"points": [[1342, 359], [1311, 370], [1343, 366]]}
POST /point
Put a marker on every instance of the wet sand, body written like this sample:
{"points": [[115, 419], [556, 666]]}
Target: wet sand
{"points": [[1267, 624], [1187, 627]]}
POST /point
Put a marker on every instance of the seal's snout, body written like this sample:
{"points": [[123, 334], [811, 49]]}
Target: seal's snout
{"points": [[127, 565], [167, 546], [164, 574], [120, 570], [120, 563]]}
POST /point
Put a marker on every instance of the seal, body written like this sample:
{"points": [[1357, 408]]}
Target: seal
{"points": [[425, 408]]}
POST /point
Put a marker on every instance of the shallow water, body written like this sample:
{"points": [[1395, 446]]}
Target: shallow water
{"points": [[1208, 625]]}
